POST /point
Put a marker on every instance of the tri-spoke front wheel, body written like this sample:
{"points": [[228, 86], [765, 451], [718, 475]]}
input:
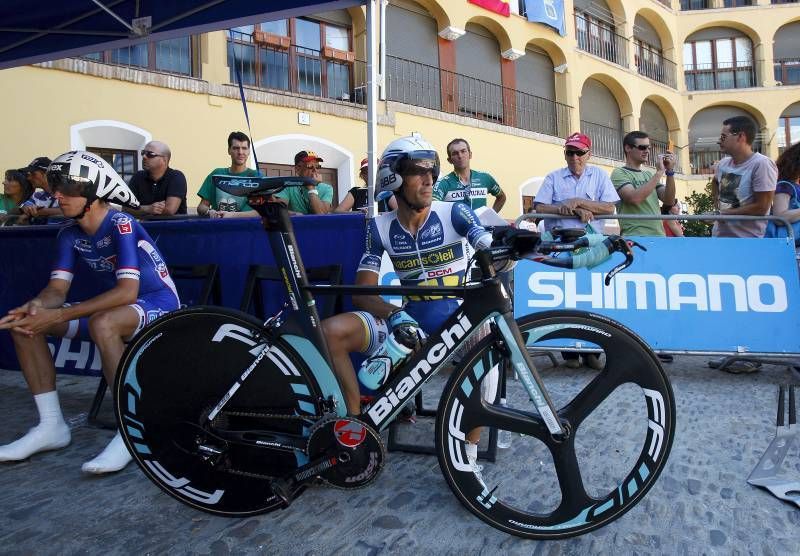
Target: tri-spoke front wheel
{"points": [[618, 410]]}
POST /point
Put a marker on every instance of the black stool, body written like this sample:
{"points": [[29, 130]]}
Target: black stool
{"points": [[211, 290], [253, 294]]}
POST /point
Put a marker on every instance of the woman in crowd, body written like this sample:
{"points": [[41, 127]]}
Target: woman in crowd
{"points": [[16, 189], [788, 187], [672, 228]]}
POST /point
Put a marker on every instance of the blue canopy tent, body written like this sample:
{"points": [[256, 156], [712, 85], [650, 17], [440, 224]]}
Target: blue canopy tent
{"points": [[32, 32]]}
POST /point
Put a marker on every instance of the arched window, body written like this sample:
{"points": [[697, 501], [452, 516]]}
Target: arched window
{"points": [[718, 58]]}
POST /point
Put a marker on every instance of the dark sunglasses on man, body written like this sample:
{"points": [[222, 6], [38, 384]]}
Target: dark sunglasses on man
{"points": [[572, 152], [150, 154]]}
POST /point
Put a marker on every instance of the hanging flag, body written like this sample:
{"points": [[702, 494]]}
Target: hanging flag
{"points": [[549, 12], [496, 6]]}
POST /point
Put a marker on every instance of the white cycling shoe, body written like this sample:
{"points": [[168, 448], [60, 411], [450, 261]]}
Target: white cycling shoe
{"points": [[38, 439], [114, 458]]}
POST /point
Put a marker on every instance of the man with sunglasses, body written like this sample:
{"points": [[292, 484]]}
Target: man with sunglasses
{"points": [[217, 203], [744, 182], [641, 189], [159, 188], [310, 199], [578, 192]]}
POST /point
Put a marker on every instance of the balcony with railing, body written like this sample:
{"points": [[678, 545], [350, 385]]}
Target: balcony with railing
{"points": [[606, 141], [787, 71], [598, 38], [292, 69], [690, 5], [710, 77], [650, 63], [418, 84]]}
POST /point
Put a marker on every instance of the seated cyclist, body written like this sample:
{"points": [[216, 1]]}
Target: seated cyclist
{"points": [[415, 236], [137, 290]]}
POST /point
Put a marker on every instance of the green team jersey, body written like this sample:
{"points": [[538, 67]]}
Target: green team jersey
{"points": [[221, 201], [297, 197], [449, 188], [637, 178]]}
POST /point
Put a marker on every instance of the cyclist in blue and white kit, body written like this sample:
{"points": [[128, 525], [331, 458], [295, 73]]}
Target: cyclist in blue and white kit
{"points": [[427, 242], [137, 290]]}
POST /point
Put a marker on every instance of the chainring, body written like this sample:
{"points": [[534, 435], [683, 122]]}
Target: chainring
{"points": [[357, 447]]}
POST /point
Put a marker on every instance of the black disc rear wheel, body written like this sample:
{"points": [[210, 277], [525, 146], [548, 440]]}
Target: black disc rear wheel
{"points": [[173, 375]]}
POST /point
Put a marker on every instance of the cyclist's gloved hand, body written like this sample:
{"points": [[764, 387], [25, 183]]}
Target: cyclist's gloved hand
{"points": [[398, 319], [383, 195]]}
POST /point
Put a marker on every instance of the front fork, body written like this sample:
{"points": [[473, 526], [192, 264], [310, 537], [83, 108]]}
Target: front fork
{"points": [[526, 371]]}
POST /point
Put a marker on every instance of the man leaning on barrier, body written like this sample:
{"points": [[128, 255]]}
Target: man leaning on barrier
{"points": [[159, 188], [216, 203], [578, 192]]}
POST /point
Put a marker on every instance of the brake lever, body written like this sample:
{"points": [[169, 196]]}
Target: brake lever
{"points": [[623, 246]]}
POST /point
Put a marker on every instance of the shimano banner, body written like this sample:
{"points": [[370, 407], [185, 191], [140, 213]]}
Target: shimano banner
{"points": [[684, 294], [549, 12]]}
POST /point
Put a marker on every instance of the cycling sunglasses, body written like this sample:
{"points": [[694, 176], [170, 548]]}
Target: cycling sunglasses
{"points": [[574, 153], [70, 186]]}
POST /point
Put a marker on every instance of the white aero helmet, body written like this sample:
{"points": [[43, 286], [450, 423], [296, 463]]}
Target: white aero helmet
{"points": [[85, 174], [407, 155]]}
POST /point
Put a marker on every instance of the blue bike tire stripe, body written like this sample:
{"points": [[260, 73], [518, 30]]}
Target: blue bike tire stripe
{"points": [[600, 509], [466, 386], [301, 389], [632, 487], [134, 432], [307, 407], [644, 471], [141, 448]]}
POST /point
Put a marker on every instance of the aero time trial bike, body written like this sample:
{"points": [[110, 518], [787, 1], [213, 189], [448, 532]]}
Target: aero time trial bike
{"points": [[237, 417]]}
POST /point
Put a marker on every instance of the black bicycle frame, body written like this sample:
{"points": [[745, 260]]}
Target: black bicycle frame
{"points": [[487, 300]]}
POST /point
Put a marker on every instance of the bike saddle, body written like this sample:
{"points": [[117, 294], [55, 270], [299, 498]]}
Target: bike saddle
{"points": [[243, 186], [567, 234]]}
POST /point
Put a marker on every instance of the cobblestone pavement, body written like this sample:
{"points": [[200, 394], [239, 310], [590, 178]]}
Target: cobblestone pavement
{"points": [[701, 503]]}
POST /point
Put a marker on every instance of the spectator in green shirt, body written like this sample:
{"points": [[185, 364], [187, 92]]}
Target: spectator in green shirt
{"points": [[639, 189], [464, 184], [216, 203], [311, 199]]}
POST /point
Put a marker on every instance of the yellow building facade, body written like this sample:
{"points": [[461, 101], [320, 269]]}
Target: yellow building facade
{"points": [[513, 88]]}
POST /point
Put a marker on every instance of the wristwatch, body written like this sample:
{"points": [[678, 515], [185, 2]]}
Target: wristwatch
{"points": [[312, 192]]}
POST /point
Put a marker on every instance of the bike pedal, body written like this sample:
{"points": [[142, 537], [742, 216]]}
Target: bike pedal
{"points": [[282, 489]]}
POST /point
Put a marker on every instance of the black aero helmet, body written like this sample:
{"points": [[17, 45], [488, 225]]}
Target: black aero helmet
{"points": [[85, 174]]}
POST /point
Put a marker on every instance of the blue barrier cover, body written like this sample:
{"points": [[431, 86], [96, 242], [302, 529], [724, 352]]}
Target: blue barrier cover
{"points": [[233, 244], [684, 294]]}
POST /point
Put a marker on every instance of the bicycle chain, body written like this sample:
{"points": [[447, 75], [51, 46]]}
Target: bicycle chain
{"points": [[270, 415]]}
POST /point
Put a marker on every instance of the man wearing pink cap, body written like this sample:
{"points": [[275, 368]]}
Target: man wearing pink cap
{"points": [[578, 192], [356, 198]]}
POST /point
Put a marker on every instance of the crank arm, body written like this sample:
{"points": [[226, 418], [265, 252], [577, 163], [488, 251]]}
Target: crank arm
{"points": [[285, 487]]}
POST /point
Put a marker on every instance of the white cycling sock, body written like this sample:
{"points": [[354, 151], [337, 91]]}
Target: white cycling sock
{"points": [[472, 450], [114, 458], [51, 433], [49, 408]]}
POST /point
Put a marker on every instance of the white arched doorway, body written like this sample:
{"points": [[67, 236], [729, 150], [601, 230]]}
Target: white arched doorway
{"points": [[280, 149]]}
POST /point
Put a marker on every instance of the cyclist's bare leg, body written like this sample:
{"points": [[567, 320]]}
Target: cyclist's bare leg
{"points": [[345, 334], [39, 371], [108, 328]]}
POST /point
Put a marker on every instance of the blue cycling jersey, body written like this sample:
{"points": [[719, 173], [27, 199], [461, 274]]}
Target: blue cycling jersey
{"points": [[437, 256], [121, 248]]}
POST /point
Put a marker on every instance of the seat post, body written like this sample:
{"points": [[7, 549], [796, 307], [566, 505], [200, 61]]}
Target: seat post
{"points": [[278, 225]]}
